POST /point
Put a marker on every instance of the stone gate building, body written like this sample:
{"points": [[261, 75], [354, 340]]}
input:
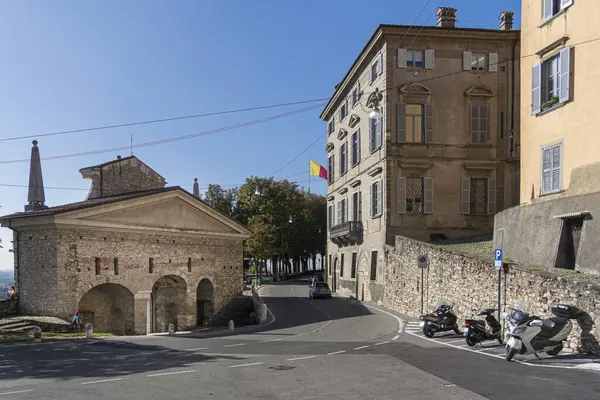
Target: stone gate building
{"points": [[131, 258]]}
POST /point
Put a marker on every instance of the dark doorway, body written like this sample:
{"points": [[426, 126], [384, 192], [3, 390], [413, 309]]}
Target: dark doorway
{"points": [[205, 301], [334, 275], [568, 244]]}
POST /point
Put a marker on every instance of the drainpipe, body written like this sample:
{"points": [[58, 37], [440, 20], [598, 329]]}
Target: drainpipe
{"points": [[512, 99], [16, 255]]}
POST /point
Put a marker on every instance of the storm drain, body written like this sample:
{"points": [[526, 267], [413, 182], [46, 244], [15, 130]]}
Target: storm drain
{"points": [[282, 367]]}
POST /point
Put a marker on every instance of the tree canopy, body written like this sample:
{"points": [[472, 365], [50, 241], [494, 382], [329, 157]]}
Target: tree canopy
{"points": [[284, 219]]}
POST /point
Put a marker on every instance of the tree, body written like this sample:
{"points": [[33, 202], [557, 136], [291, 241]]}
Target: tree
{"points": [[223, 200]]}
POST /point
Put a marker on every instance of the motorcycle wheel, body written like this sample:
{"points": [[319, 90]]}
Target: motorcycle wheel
{"points": [[500, 341], [456, 330], [555, 351], [471, 341], [428, 332], [510, 353]]}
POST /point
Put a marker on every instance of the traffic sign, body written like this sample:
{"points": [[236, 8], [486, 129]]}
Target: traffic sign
{"points": [[498, 259], [422, 261]]}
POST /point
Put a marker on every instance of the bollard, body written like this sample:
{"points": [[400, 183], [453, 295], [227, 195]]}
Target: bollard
{"points": [[171, 329], [231, 326], [89, 331], [37, 334]]}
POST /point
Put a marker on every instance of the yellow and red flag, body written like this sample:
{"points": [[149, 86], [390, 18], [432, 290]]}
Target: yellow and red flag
{"points": [[318, 170]]}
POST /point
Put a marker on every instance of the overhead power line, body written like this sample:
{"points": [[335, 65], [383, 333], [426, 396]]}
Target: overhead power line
{"points": [[172, 139], [155, 121]]}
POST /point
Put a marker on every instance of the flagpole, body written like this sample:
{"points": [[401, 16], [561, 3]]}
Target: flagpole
{"points": [[309, 177]]}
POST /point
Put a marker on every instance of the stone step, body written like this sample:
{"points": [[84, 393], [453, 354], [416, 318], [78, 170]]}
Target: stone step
{"points": [[20, 329], [14, 325]]}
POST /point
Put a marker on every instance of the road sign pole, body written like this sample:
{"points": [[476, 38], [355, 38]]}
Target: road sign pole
{"points": [[498, 265], [499, 286]]}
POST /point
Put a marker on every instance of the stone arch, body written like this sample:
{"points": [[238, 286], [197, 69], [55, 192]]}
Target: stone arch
{"points": [[109, 307], [205, 300], [363, 276], [169, 294]]}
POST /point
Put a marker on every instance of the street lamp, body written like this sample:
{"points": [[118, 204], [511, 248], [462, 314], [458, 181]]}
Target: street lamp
{"points": [[373, 102]]}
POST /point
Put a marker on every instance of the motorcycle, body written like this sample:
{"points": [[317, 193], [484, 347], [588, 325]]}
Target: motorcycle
{"points": [[477, 331], [442, 320], [532, 334]]}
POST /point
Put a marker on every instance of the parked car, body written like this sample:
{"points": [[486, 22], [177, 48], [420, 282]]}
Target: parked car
{"points": [[319, 290]]}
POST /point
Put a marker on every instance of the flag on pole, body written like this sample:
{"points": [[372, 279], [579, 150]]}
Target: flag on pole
{"points": [[317, 170]]}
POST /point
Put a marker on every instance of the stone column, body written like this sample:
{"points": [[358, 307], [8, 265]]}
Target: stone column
{"points": [[187, 314], [142, 312]]}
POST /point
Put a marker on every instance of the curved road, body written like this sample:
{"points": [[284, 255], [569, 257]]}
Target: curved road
{"points": [[334, 349]]}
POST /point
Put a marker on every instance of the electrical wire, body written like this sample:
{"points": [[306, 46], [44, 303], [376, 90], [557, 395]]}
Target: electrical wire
{"points": [[155, 121], [172, 139]]}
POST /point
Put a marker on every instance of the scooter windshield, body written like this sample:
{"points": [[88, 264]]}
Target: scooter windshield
{"points": [[517, 316]]}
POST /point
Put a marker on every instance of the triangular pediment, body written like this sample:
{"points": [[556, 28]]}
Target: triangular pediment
{"points": [[354, 119], [329, 147], [342, 133], [176, 211]]}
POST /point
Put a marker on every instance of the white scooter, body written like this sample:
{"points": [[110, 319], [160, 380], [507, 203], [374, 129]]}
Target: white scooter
{"points": [[532, 334]]}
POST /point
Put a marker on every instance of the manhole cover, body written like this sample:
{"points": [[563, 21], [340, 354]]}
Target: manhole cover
{"points": [[282, 367]]}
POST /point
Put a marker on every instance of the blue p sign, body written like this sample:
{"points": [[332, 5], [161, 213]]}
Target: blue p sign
{"points": [[498, 255]]}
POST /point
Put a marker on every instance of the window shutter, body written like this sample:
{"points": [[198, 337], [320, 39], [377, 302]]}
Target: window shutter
{"points": [[358, 146], [339, 212], [493, 62], [466, 60], [371, 136], [371, 200], [536, 89], [401, 123], [491, 205], [379, 198], [371, 76], [379, 64], [378, 129], [401, 58], [556, 161], [429, 58], [360, 206], [474, 122], [547, 9], [546, 170], [483, 122], [465, 195], [565, 3], [347, 156], [401, 195], [346, 209], [428, 195], [565, 74], [428, 123]]}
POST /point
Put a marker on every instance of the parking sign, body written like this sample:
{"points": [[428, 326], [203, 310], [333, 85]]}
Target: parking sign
{"points": [[498, 259]]}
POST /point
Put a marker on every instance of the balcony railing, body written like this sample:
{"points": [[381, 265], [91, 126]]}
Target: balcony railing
{"points": [[350, 232]]}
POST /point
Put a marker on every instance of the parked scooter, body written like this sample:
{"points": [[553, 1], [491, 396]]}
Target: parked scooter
{"points": [[532, 334], [477, 331], [442, 320]]}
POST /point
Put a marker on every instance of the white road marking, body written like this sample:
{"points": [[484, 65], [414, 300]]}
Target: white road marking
{"points": [[235, 345], [455, 341], [360, 347], [396, 337], [18, 391], [245, 365], [300, 358], [400, 320], [336, 352], [197, 349], [94, 352], [500, 356], [272, 340], [173, 373], [101, 381], [305, 333], [379, 344]]}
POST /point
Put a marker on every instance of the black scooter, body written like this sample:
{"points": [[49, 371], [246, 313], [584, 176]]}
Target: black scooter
{"points": [[442, 320], [477, 331]]}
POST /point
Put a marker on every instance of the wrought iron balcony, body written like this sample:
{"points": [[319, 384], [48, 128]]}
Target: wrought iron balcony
{"points": [[347, 233]]}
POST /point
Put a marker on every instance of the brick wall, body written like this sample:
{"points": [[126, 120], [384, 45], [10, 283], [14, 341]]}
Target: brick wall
{"points": [[471, 283]]}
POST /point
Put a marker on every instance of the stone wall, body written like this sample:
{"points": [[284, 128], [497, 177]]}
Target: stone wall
{"points": [[529, 234], [53, 281], [471, 283]]}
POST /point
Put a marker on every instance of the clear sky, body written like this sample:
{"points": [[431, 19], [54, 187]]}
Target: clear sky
{"points": [[68, 65]]}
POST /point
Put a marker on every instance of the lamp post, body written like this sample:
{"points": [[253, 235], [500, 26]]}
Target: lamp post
{"points": [[373, 102]]}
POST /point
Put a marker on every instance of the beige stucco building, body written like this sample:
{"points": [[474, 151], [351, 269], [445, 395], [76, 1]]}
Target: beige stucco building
{"points": [[133, 257], [560, 167], [440, 160]]}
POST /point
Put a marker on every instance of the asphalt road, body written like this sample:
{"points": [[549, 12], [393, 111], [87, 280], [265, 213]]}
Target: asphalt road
{"points": [[333, 349]]}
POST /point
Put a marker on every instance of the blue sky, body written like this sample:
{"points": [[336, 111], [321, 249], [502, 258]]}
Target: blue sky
{"points": [[69, 64]]}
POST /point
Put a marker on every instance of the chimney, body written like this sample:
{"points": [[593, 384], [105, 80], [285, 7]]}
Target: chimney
{"points": [[196, 191], [506, 20], [446, 17], [35, 195]]}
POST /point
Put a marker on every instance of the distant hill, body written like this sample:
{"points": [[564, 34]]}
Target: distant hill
{"points": [[6, 281]]}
